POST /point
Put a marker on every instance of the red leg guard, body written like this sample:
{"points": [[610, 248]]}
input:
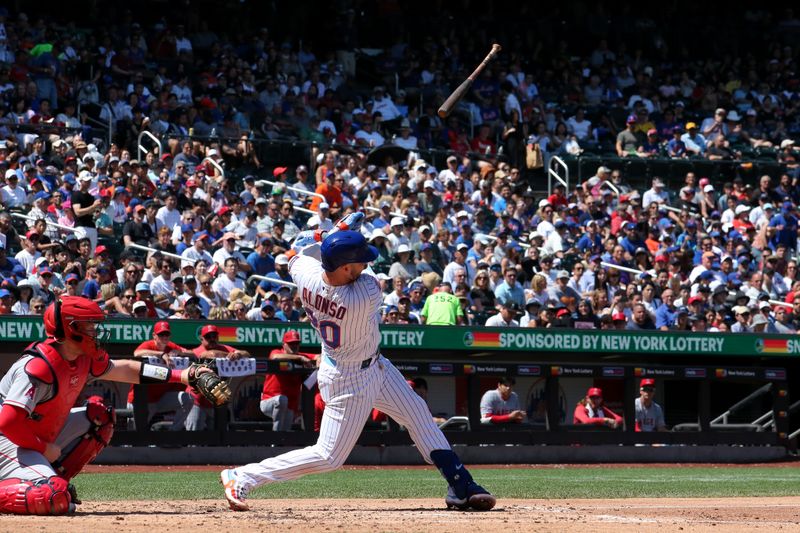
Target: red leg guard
{"points": [[44, 497], [98, 437]]}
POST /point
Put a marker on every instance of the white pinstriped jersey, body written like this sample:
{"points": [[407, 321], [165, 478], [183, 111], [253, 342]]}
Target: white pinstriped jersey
{"points": [[346, 316]]}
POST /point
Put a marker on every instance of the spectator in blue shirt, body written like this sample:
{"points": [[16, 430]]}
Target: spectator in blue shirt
{"points": [[260, 261], [785, 226], [631, 241], [281, 272], [287, 312], [509, 290], [666, 313], [590, 240]]}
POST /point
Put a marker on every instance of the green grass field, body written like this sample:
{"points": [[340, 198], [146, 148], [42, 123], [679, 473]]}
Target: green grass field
{"points": [[550, 483]]}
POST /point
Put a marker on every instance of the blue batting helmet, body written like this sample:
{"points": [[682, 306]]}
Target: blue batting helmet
{"points": [[345, 247]]}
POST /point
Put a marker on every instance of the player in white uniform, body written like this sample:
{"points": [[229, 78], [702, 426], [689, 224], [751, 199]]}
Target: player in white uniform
{"points": [[649, 415], [343, 302]]}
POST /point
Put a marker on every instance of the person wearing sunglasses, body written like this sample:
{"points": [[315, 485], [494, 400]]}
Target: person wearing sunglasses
{"points": [[166, 397], [649, 414]]}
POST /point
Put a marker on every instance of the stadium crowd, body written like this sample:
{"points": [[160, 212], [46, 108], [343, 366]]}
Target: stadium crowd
{"points": [[475, 241]]}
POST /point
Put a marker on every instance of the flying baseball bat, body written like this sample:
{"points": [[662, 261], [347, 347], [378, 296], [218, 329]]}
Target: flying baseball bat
{"points": [[458, 94]]}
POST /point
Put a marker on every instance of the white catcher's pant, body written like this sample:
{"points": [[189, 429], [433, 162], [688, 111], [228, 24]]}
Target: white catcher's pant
{"points": [[350, 393]]}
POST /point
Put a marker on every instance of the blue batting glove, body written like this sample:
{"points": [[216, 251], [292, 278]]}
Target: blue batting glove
{"points": [[306, 238], [350, 222]]}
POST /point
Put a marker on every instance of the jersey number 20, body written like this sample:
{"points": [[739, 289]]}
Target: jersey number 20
{"points": [[330, 332]]}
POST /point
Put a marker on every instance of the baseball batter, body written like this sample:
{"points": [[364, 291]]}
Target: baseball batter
{"points": [[44, 440], [342, 302]]}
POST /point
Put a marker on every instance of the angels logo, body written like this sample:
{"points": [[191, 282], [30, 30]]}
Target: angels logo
{"points": [[31, 392], [73, 381]]}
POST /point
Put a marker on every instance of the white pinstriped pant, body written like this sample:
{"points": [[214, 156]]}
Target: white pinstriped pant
{"points": [[350, 393]]}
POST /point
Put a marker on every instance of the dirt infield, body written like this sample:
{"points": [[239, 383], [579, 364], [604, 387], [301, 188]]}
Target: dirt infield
{"points": [[579, 516]]}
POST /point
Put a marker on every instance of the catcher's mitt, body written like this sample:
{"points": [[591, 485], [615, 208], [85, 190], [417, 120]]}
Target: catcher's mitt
{"points": [[209, 384]]}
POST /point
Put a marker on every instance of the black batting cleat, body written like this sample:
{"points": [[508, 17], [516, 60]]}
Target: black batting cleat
{"points": [[476, 498]]}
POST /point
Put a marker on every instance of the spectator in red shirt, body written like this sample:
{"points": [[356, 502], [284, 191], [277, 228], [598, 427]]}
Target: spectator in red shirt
{"points": [[210, 348], [482, 143], [281, 393], [558, 200], [167, 397], [591, 410]]}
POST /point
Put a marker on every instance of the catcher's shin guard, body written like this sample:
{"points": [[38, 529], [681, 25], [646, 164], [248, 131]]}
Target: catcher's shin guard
{"points": [[99, 435], [43, 497]]}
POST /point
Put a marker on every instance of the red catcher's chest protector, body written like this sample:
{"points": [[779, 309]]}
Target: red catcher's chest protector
{"points": [[67, 379]]}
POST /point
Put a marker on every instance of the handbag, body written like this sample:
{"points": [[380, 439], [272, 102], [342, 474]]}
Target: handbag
{"points": [[533, 156]]}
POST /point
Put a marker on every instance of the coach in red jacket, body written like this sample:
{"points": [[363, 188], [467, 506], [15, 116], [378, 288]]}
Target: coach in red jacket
{"points": [[591, 410]]}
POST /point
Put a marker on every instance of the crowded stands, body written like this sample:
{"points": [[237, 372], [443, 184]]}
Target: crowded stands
{"points": [[134, 173]]}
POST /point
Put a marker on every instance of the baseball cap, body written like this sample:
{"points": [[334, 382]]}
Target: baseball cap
{"points": [[563, 274], [397, 221], [161, 327], [619, 316], [647, 382], [324, 205], [139, 305], [209, 328], [291, 336], [691, 126], [185, 228], [281, 259], [594, 391], [70, 277], [142, 286], [278, 171], [100, 249], [428, 184], [462, 246]]}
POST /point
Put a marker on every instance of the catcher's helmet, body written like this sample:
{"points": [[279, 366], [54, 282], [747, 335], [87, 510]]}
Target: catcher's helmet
{"points": [[345, 247], [76, 318]]}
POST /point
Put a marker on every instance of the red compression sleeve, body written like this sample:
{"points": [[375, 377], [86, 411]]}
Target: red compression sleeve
{"points": [[17, 427], [175, 376], [500, 419]]}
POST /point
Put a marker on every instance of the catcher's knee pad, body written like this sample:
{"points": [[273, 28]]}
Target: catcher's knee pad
{"points": [[102, 418], [49, 496]]}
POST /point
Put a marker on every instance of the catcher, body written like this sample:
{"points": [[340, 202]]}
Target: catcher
{"points": [[44, 441]]}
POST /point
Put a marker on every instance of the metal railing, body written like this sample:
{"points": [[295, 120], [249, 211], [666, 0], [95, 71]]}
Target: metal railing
{"points": [[273, 280], [140, 148], [162, 252], [261, 183], [78, 231], [552, 172]]}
